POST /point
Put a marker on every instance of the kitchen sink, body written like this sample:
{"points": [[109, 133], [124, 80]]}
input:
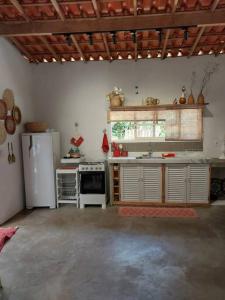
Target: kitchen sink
{"points": [[149, 157]]}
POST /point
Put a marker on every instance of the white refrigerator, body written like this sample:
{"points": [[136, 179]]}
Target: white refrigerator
{"points": [[41, 155]]}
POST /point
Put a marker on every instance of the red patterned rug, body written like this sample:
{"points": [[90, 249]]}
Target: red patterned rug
{"points": [[157, 212]]}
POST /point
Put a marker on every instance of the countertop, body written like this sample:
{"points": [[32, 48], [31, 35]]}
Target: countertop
{"points": [[175, 160]]}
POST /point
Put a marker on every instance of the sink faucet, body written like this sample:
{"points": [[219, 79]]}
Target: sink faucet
{"points": [[150, 150]]}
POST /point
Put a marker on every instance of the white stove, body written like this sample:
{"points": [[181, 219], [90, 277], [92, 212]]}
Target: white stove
{"points": [[91, 166], [92, 184]]}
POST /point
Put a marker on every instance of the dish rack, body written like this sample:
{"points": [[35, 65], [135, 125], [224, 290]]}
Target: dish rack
{"points": [[67, 187]]}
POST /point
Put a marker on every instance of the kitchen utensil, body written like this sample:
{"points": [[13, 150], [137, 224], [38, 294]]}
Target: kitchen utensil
{"points": [[36, 127], [3, 133], [9, 155], [3, 110], [10, 125], [13, 158], [16, 114], [8, 97]]}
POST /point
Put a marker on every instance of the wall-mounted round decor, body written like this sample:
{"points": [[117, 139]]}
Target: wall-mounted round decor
{"points": [[3, 133], [3, 110], [10, 125], [8, 97], [16, 114]]}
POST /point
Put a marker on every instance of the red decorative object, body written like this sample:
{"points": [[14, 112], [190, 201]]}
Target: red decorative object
{"points": [[157, 212], [124, 153], [10, 125], [168, 155], [116, 153], [77, 142], [105, 143]]}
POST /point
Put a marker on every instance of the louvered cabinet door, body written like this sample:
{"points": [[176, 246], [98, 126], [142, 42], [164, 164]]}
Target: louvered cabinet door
{"points": [[198, 183], [151, 183], [130, 182], [176, 183]]}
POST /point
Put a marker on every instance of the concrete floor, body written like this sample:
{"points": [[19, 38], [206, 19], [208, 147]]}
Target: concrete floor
{"points": [[69, 254]]}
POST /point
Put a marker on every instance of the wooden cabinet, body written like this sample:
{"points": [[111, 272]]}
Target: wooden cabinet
{"points": [[187, 183], [175, 183], [198, 183], [141, 182]]}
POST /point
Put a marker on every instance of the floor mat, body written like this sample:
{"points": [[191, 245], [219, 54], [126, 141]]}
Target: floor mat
{"points": [[157, 212], [6, 234]]}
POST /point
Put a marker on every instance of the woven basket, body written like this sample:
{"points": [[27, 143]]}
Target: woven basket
{"points": [[36, 127]]}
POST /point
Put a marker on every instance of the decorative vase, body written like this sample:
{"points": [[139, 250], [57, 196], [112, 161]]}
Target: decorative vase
{"points": [[201, 99], [116, 101], [182, 99], [191, 99]]}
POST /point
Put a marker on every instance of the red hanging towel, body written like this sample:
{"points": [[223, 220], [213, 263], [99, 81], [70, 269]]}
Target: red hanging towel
{"points": [[105, 143]]}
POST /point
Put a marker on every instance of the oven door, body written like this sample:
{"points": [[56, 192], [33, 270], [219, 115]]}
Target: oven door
{"points": [[92, 182]]}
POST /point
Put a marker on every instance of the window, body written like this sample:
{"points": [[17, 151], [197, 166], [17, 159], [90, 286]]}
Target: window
{"points": [[137, 130], [158, 125]]}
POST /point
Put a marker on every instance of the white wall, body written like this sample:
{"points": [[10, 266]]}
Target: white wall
{"points": [[75, 92], [15, 73]]}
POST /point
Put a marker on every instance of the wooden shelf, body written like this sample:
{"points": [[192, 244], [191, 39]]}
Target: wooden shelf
{"points": [[158, 107]]}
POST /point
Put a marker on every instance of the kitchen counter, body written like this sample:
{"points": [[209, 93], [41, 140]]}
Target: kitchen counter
{"points": [[176, 160]]}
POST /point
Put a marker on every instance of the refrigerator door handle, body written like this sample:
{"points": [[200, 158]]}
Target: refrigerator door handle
{"points": [[31, 144]]}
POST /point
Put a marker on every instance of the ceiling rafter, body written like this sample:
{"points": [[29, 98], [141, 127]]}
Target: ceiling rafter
{"points": [[50, 48], [20, 9], [165, 43], [106, 45], [200, 33], [174, 7], [202, 30], [22, 49], [58, 9], [214, 5], [97, 8], [146, 22], [135, 7], [78, 47]]}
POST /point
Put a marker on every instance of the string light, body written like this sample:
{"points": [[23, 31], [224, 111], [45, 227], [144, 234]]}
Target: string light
{"points": [[169, 54], [63, 59], [91, 58], [139, 55], [159, 54], [179, 53], [45, 60], [72, 59], [149, 55], [129, 56], [100, 57], [54, 60], [200, 52]]}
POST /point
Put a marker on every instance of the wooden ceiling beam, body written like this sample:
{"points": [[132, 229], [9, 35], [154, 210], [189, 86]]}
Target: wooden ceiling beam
{"points": [[214, 5], [146, 22], [78, 47], [58, 9], [135, 7], [22, 49], [174, 7], [200, 33], [202, 30], [165, 43], [50, 48], [20, 9], [106, 45], [97, 8]]}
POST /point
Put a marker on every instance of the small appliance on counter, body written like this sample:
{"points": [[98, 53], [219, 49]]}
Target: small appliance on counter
{"points": [[92, 184]]}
